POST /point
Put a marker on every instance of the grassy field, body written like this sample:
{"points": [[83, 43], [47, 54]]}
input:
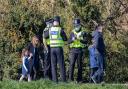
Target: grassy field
{"points": [[45, 84]]}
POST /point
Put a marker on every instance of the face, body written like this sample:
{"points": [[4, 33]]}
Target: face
{"points": [[26, 53], [78, 28], [55, 23], [36, 41], [100, 28]]}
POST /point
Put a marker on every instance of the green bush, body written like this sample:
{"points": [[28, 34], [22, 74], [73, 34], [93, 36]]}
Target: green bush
{"points": [[22, 20]]}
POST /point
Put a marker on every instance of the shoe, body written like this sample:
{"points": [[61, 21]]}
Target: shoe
{"points": [[103, 83], [94, 80]]}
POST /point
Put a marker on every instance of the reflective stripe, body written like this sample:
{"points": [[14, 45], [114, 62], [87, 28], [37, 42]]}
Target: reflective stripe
{"points": [[55, 37], [76, 44]]}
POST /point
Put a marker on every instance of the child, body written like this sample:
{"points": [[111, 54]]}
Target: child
{"points": [[26, 56], [93, 62]]}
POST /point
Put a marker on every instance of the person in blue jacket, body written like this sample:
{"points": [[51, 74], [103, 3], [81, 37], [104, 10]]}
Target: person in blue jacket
{"points": [[100, 51], [93, 61]]}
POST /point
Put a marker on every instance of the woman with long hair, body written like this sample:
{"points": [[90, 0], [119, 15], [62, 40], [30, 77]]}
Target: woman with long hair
{"points": [[34, 48]]}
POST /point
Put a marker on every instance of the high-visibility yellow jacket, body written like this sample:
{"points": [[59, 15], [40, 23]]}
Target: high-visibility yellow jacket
{"points": [[76, 43], [55, 37]]}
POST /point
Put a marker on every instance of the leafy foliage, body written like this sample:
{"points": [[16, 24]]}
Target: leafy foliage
{"points": [[21, 19]]}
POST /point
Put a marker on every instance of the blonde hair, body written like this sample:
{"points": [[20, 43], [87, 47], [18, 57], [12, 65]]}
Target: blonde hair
{"points": [[23, 52], [34, 41]]}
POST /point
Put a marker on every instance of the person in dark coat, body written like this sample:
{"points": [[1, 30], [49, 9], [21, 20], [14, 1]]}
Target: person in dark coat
{"points": [[57, 37], [100, 52], [93, 61], [36, 49]]}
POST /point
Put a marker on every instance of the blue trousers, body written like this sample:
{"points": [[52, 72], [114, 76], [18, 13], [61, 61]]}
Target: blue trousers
{"points": [[92, 72], [100, 72], [57, 56]]}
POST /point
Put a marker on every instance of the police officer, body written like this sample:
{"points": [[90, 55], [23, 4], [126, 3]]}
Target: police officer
{"points": [[100, 52], [57, 37], [47, 59], [76, 42]]}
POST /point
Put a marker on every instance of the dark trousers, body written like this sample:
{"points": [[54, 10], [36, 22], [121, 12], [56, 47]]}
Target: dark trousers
{"points": [[98, 73], [92, 72], [47, 64], [57, 56], [34, 70], [73, 58]]}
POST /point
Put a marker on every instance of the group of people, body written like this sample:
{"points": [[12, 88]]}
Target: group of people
{"points": [[52, 54]]}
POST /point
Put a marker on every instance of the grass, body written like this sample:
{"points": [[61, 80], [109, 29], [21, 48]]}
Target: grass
{"points": [[46, 84]]}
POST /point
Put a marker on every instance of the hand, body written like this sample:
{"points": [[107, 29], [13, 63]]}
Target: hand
{"points": [[73, 38], [90, 46], [31, 55], [79, 35], [26, 70]]}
